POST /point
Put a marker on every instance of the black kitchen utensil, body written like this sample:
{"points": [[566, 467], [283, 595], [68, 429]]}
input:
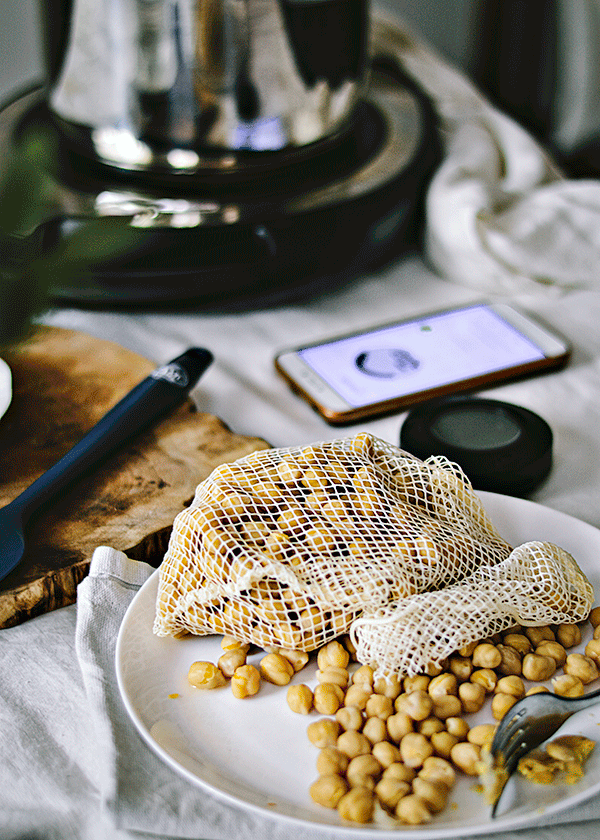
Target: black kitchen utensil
{"points": [[164, 389]]}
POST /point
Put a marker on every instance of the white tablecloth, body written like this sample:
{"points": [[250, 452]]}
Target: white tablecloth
{"points": [[55, 776], [52, 775]]}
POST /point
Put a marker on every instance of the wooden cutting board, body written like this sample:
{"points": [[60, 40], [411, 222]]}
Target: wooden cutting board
{"points": [[63, 383]]}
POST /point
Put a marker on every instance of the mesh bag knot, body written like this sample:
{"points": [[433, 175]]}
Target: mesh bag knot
{"points": [[292, 547]]}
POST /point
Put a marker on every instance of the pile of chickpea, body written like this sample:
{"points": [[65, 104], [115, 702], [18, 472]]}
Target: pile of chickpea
{"points": [[394, 746]]}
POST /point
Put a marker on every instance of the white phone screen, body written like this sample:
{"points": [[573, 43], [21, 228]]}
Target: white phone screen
{"points": [[426, 353]]}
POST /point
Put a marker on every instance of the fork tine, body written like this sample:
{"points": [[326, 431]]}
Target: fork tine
{"points": [[507, 729], [517, 734], [524, 740], [532, 720]]}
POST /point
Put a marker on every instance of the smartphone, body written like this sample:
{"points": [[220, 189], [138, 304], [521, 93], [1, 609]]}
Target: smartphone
{"points": [[394, 366]]}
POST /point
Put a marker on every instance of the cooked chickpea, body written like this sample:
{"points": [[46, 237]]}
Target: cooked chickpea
{"points": [[298, 658], [539, 634], [594, 617], [485, 677], [461, 667], [378, 705], [375, 729], [466, 757], [457, 726], [363, 676], [442, 743], [443, 684], [430, 726], [231, 643], [538, 668], [390, 791], [486, 655], [582, 666], [245, 681], [399, 771], [205, 675], [397, 725], [327, 698], [472, 696], [335, 675], [349, 717], [386, 753], [438, 769], [390, 687], [446, 705], [350, 646], [331, 760], [323, 732], [510, 662], [357, 805], [568, 685], [334, 654], [414, 749], [300, 699], [580, 746], [231, 660], [412, 810], [501, 703], [553, 649], [434, 669], [364, 771], [482, 734], [434, 794], [592, 649], [289, 472], [519, 642], [357, 695], [276, 669], [328, 790], [417, 705], [467, 650], [538, 767], [353, 743], [417, 683], [511, 685], [569, 635], [537, 689]]}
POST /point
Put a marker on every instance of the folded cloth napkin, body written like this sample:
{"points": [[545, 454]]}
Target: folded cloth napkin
{"points": [[500, 215], [140, 793]]}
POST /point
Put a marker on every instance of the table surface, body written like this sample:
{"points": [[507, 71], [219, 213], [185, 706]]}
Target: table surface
{"points": [[243, 389]]}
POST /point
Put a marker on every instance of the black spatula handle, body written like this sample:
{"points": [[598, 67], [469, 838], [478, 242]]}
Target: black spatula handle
{"points": [[163, 390]]}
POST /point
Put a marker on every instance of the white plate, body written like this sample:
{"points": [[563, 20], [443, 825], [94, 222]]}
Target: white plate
{"points": [[255, 754], [5, 387]]}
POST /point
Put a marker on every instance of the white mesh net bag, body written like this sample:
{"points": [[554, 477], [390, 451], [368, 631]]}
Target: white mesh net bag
{"points": [[293, 547], [537, 584]]}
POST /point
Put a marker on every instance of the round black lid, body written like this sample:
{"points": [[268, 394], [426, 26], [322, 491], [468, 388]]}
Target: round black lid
{"points": [[501, 447]]}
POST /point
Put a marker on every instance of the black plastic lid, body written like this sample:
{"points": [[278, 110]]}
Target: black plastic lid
{"points": [[501, 447]]}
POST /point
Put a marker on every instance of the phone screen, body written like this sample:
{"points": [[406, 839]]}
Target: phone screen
{"points": [[419, 355]]}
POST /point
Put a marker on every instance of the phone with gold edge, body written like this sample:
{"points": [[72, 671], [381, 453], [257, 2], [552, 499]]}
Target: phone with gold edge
{"points": [[394, 366]]}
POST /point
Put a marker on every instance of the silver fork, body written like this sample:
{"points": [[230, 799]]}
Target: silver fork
{"points": [[526, 725]]}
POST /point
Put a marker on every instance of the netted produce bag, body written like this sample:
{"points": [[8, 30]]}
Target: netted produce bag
{"points": [[288, 547], [537, 584]]}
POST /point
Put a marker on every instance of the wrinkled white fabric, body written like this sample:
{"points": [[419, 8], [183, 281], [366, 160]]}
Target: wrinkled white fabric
{"points": [[501, 219], [137, 791], [500, 214]]}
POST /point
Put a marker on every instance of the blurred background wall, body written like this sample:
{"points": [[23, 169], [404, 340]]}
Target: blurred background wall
{"points": [[538, 59]]}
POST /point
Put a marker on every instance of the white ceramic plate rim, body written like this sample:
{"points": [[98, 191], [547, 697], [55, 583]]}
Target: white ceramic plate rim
{"points": [[173, 734], [5, 387]]}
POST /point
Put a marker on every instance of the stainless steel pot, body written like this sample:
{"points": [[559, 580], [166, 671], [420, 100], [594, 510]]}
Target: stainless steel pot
{"points": [[180, 77]]}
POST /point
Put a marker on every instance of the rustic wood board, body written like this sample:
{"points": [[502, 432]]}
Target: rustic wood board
{"points": [[63, 383]]}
